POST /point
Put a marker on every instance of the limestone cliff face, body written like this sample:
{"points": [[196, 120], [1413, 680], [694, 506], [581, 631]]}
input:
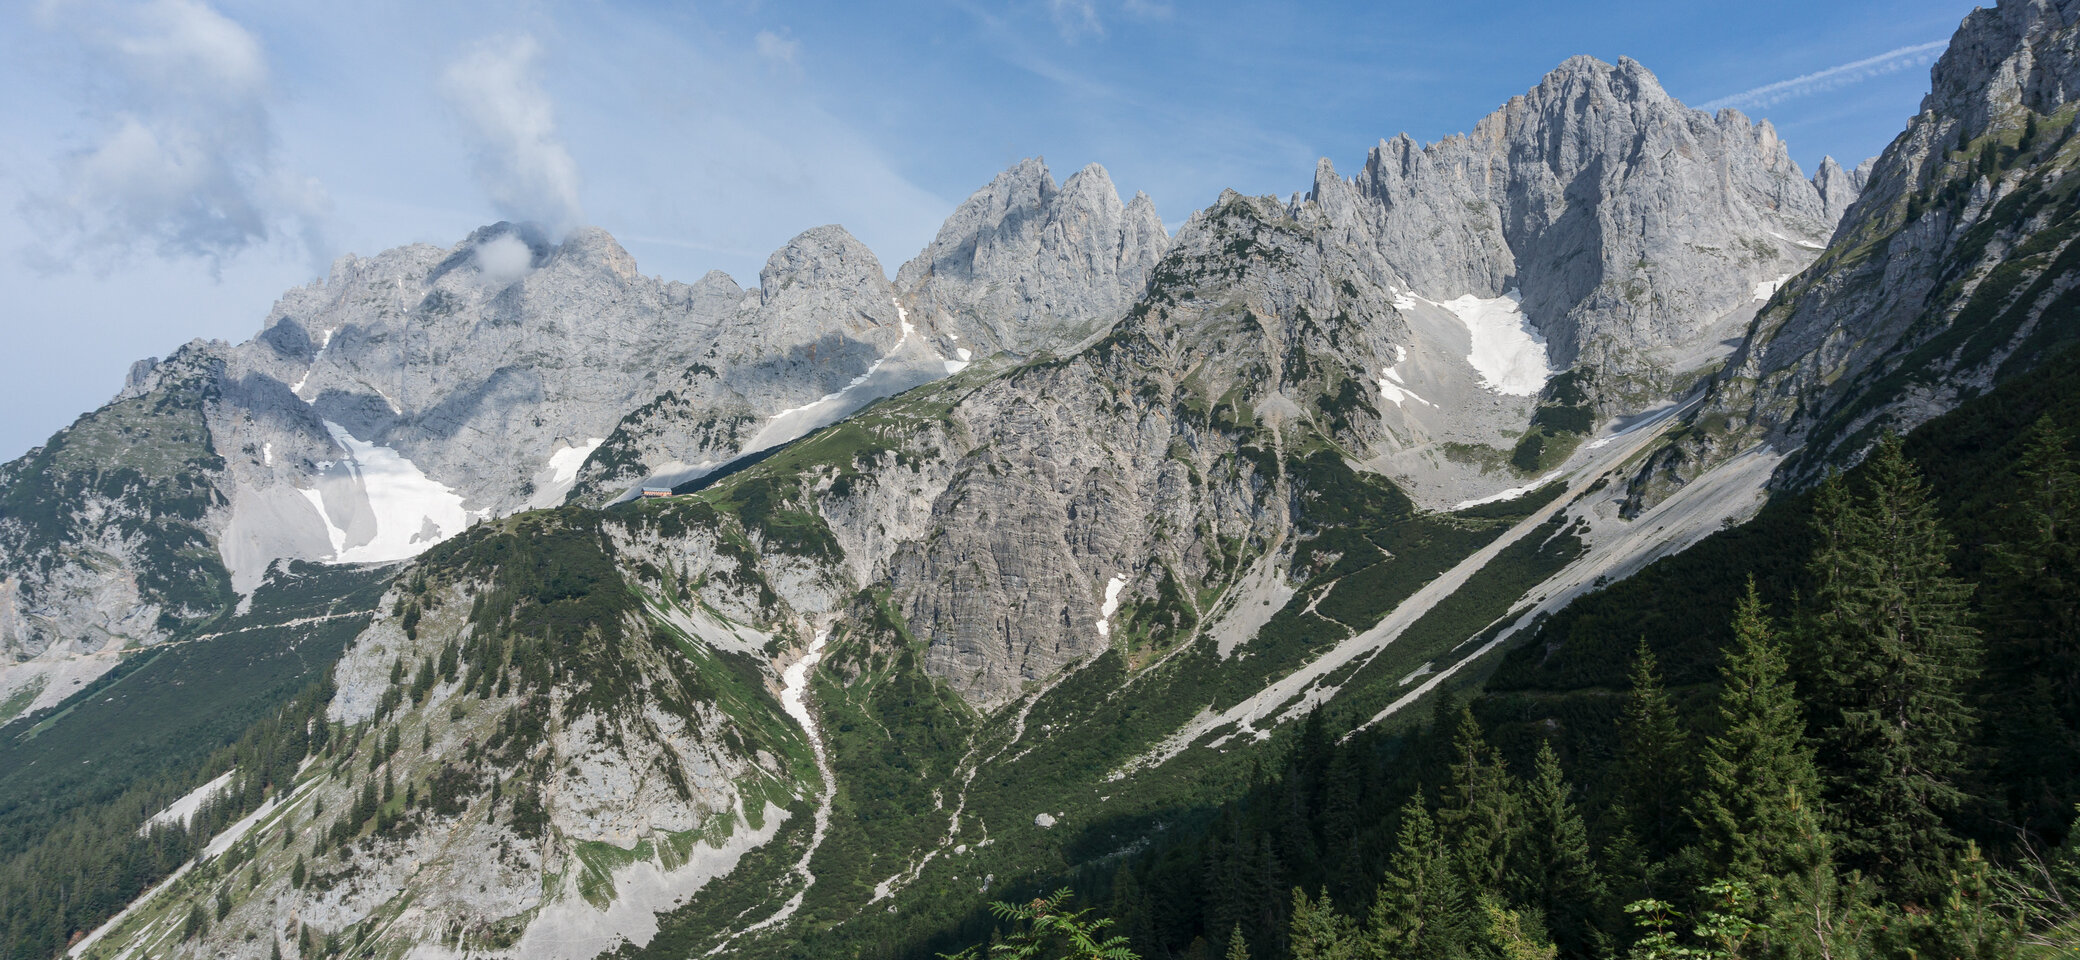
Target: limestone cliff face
{"points": [[1636, 228], [824, 316], [1025, 265], [106, 531], [389, 407], [1952, 270], [1022, 266], [1011, 515]]}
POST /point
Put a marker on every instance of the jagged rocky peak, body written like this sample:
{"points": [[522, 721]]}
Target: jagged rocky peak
{"points": [[593, 247], [1025, 265], [824, 282], [1904, 315], [2004, 58], [825, 256], [1637, 229], [1839, 187]]}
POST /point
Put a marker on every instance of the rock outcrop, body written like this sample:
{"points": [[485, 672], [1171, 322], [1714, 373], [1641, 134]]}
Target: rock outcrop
{"points": [[1636, 228], [1952, 271], [1025, 266]]}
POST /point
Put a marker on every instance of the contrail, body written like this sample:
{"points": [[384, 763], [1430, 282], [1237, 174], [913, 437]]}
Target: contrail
{"points": [[1889, 62]]}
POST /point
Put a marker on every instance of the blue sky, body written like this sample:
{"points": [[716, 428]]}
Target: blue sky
{"points": [[168, 167]]}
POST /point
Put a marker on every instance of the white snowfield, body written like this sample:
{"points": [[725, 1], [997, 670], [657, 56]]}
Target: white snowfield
{"points": [[407, 510], [564, 463], [556, 477], [1507, 351], [1111, 606]]}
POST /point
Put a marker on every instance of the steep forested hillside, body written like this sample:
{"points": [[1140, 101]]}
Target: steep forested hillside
{"points": [[1848, 727]]}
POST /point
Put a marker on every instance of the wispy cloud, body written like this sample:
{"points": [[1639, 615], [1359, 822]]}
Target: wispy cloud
{"points": [[185, 164], [1076, 18], [776, 48], [520, 161], [1891, 61]]}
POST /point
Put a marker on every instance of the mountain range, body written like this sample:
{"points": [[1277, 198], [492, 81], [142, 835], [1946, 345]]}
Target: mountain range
{"points": [[499, 600]]}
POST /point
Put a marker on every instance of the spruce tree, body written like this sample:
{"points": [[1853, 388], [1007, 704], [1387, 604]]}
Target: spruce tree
{"points": [[1238, 948], [1652, 754], [1753, 805], [1560, 875], [1342, 812], [1895, 650], [1420, 909], [1482, 810], [1317, 931], [1508, 934], [2033, 635]]}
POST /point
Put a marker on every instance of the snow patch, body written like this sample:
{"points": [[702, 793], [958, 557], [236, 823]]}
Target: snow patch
{"points": [[332, 530], [324, 340], [1765, 289], [564, 463], [1112, 589], [412, 511], [1640, 422], [1507, 352], [962, 351], [1392, 387], [831, 407], [267, 453], [1793, 242], [1511, 493], [794, 688]]}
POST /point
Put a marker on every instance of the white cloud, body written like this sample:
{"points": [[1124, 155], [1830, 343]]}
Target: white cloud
{"points": [[1891, 61], [185, 164], [519, 159], [777, 48], [503, 259], [1076, 18]]}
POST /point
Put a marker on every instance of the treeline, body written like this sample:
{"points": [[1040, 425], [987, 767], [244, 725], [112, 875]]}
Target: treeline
{"points": [[67, 879], [1885, 764]]}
